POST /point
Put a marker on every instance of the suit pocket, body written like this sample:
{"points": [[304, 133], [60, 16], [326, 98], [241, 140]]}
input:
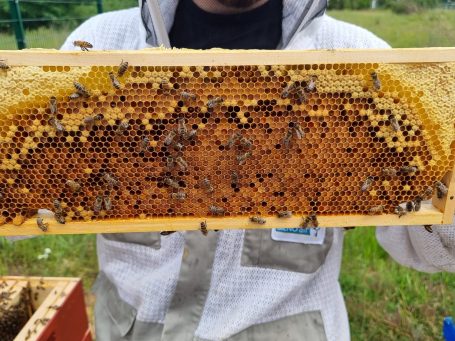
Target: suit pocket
{"points": [[260, 250]]}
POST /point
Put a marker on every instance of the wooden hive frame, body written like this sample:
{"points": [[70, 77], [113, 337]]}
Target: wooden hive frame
{"points": [[440, 211], [58, 307]]}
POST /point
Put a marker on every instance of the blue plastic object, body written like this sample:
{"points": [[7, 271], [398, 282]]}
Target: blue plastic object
{"points": [[448, 329]]}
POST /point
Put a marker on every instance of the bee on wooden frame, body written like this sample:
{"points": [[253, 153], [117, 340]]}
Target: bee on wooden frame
{"points": [[123, 67], [84, 45], [257, 220], [41, 224]]}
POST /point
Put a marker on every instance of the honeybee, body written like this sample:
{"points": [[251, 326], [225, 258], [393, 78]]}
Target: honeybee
{"points": [[428, 228], [290, 88], [60, 217], [181, 163], [441, 189], [56, 124], [392, 172], [43, 321], [305, 222], [84, 45], [74, 95], [123, 67], [171, 183], [42, 225], [181, 127], [207, 185], [145, 143], [243, 157], [98, 205], [178, 146], [376, 81], [203, 228], [81, 90], [284, 214], [73, 185], [417, 203], [376, 210], [180, 195], [367, 184], [234, 179], [299, 132], [301, 96], [288, 138], [311, 220], [57, 205], [89, 121], [399, 211], [55, 307], [409, 206], [188, 96], [245, 143], [169, 138], [170, 162], [166, 233], [107, 202], [122, 127], [191, 134], [214, 102], [314, 219], [394, 123], [115, 83], [427, 193], [215, 210], [257, 220], [3, 65], [53, 105], [110, 180], [312, 83], [408, 169], [232, 140], [165, 85]]}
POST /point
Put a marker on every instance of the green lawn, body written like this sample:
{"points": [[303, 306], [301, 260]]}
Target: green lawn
{"points": [[423, 29], [385, 301]]}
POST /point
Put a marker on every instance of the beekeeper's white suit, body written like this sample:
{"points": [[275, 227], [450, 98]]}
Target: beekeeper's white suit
{"points": [[237, 285]]}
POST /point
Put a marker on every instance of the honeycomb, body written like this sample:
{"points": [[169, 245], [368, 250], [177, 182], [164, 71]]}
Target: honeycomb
{"points": [[91, 143]]}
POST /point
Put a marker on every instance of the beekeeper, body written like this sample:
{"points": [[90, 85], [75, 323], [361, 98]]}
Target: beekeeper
{"points": [[235, 284]]}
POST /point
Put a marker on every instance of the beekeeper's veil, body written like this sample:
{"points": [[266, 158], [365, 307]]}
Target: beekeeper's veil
{"points": [[157, 18]]}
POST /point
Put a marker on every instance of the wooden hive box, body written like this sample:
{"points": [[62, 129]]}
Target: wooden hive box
{"points": [[177, 138], [42, 308]]}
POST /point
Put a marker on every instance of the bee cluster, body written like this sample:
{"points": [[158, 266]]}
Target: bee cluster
{"points": [[13, 317], [116, 142]]}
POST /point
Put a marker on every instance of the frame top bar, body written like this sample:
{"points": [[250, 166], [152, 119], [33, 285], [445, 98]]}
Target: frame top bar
{"points": [[179, 57]]}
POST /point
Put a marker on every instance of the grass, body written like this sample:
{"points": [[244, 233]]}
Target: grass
{"points": [[385, 300], [422, 29]]}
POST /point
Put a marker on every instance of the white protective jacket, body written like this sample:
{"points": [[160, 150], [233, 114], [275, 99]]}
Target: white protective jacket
{"points": [[236, 284]]}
